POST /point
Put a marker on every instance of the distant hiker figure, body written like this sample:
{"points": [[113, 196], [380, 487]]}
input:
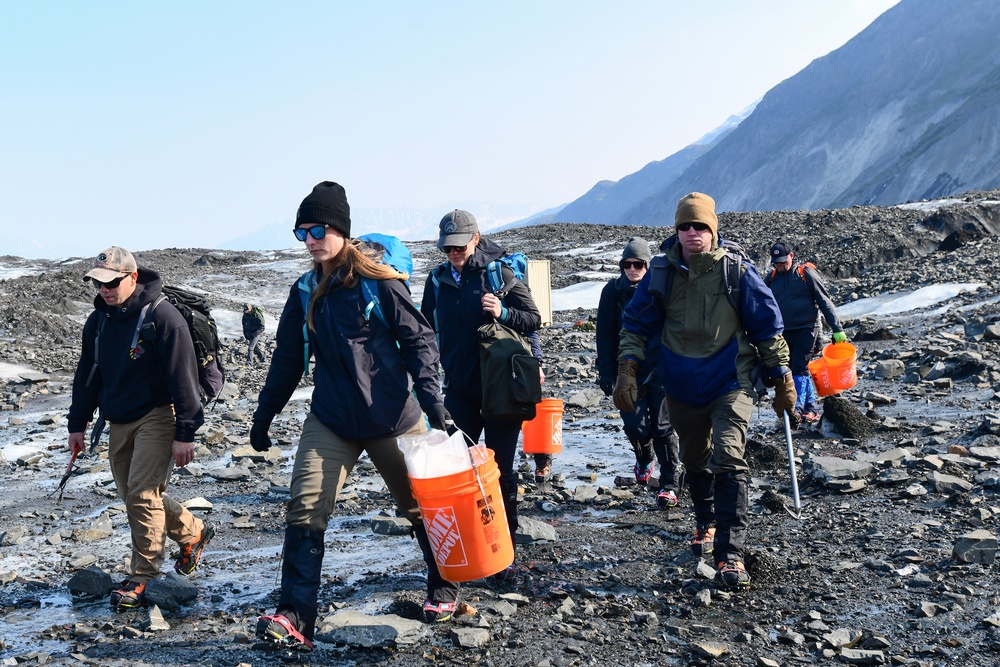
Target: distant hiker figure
{"points": [[253, 331], [458, 299], [705, 357], [647, 426], [145, 380], [802, 296], [362, 402]]}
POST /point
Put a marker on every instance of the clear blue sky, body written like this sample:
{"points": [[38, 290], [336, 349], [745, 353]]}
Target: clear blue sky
{"points": [[158, 124]]}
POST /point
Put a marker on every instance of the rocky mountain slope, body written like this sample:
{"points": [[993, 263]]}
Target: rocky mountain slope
{"points": [[891, 561], [906, 110]]}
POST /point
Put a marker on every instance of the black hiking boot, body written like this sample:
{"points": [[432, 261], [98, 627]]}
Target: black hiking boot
{"points": [[187, 561]]}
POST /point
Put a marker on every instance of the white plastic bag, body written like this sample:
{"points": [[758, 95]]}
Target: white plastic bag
{"points": [[436, 454]]}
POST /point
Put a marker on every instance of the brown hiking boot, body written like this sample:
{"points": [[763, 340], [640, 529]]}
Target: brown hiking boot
{"points": [[187, 561]]}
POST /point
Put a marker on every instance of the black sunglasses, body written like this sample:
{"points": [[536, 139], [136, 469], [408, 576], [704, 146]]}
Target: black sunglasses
{"points": [[448, 249], [633, 264], [317, 232], [109, 285], [699, 226]]}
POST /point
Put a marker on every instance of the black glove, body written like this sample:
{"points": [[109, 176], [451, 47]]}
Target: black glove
{"points": [[607, 385], [439, 418], [258, 435]]}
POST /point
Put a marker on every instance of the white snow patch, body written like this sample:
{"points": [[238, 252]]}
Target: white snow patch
{"points": [[581, 295], [906, 302]]}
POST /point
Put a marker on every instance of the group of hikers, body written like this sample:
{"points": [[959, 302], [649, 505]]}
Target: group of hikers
{"points": [[673, 352]]}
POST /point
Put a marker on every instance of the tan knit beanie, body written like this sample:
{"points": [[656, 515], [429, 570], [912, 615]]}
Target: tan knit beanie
{"points": [[697, 207]]}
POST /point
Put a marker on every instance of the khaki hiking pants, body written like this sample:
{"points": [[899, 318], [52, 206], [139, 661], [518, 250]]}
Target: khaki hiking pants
{"points": [[713, 437], [141, 462], [323, 462]]}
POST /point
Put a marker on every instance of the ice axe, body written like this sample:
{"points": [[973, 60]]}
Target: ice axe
{"points": [[69, 471], [791, 468]]}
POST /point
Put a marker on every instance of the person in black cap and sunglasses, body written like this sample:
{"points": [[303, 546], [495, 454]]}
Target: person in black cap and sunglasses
{"points": [[647, 427], [362, 402], [801, 296]]}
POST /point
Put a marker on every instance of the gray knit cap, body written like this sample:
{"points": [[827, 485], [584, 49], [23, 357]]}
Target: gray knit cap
{"points": [[636, 248]]}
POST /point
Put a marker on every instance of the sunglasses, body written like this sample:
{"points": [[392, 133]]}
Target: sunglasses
{"points": [[448, 249], [317, 232], [109, 285], [633, 264], [699, 226]]}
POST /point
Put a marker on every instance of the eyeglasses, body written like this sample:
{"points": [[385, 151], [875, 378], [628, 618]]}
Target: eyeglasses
{"points": [[634, 264], [109, 285], [448, 249], [698, 226], [317, 232]]}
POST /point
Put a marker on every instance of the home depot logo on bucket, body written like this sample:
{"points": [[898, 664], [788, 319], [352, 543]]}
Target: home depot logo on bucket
{"points": [[445, 537]]}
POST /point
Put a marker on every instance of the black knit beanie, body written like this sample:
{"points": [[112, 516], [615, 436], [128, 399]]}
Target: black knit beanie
{"points": [[326, 205]]}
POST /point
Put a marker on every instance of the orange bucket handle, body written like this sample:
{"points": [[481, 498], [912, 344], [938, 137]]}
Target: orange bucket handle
{"points": [[475, 471]]}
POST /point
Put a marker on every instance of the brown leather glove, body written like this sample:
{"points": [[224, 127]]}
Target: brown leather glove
{"points": [[784, 397], [626, 389]]}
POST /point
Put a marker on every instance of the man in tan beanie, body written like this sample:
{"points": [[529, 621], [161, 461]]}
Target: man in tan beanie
{"points": [[706, 355]]}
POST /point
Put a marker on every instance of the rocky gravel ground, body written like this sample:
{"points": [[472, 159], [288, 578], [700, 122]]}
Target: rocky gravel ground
{"points": [[890, 561]]}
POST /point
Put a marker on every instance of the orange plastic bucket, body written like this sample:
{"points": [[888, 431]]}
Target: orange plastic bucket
{"points": [[465, 521], [821, 377], [841, 364], [543, 434]]}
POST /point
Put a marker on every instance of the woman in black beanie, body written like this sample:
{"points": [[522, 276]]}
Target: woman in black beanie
{"points": [[361, 402]]}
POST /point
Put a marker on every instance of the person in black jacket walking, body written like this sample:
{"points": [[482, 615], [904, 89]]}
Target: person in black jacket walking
{"points": [[647, 426], [458, 299], [361, 403], [138, 365], [802, 296], [253, 331]]}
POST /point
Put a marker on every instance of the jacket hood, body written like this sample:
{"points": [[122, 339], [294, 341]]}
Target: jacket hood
{"points": [[147, 288], [486, 252]]}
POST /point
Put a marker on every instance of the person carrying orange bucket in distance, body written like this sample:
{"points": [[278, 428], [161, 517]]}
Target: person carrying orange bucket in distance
{"points": [[543, 462], [458, 299], [362, 402], [647, 426], [802, 296]]}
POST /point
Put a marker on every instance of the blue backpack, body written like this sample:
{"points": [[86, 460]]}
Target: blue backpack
{"points": [[392, 252]]}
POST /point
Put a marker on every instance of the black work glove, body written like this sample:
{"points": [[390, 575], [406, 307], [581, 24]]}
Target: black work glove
{"points": [[259, 439], [439, 418], [607, 385]]}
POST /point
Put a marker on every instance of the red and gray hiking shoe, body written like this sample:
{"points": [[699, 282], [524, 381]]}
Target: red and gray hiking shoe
{"points": [[732, 573], [187, 561], [643, 472], [703, 542], [438, 612], [810, 417], [277, 629], [666, 498], [543, 474], [132, 595]]}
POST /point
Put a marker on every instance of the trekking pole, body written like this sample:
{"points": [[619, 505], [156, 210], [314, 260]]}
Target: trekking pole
{"points": [[791, 466]]}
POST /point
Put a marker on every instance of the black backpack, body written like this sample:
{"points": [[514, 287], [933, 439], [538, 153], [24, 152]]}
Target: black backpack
{"points": [[661, 281], [204, 335]]}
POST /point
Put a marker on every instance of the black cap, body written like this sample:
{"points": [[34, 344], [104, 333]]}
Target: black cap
{"points": [[779, 253]]}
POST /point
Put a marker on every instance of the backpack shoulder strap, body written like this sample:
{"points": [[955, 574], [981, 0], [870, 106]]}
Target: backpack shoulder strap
{"points": [[97, 348], [369, 288], [732, 272], [661, 278], [305, 287]]}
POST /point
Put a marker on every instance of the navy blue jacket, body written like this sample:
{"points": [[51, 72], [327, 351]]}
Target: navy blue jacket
{"points": [[127, 386], [457, 313], [362, 377], [801, 297]]}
